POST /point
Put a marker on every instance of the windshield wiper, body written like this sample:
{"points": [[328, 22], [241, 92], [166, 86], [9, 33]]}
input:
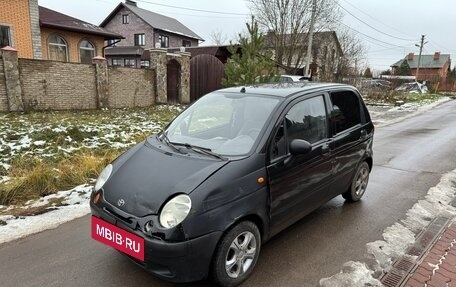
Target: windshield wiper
{"points": [[202, 150], [164, 138]]}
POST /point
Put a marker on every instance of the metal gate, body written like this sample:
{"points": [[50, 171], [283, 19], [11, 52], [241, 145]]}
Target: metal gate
{"points": [[172, 82], [206, 73]]}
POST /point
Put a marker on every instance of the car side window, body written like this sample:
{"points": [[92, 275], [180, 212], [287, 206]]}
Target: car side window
{"points": [[306, 120], [346, 110]]}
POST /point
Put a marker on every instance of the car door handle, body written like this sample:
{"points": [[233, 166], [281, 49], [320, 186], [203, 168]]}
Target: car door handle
{"points": [[363, 135], [325, 149]]}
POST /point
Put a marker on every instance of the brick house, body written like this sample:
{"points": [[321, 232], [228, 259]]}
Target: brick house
{"points": [[143, 30], [432, 67], [41, 33], [326, 53]]}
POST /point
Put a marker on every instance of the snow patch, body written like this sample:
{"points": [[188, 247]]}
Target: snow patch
{"points": [[77, 205], [399, 236], [352, 274]]}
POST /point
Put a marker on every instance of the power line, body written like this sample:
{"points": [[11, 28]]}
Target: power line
{"points": [[365, 35], [370, 26], [373, 18]]}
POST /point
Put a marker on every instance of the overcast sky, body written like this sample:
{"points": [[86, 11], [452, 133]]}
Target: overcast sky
{"points": [[396, 26]]}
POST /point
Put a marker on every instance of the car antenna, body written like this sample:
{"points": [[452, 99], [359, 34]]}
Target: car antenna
{"points": [[243, 90]]}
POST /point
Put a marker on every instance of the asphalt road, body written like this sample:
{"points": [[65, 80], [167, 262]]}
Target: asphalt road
{"points": [[410, 157]]}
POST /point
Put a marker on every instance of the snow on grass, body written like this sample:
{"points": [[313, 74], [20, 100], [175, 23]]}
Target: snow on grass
{"points": [[386, 115], [70, 204], [399, 236], [54, 134]]}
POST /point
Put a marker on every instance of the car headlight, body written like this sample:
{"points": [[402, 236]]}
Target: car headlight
{"points": [[175, 211], [103, 177]]}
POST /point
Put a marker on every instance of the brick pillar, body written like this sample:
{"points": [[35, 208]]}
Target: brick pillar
{"points": [[158, 62], [184, 93], [101, 77], [12, 79], [36, 31]]}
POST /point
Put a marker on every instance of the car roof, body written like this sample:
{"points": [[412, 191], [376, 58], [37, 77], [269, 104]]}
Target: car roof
{"points": [[283, 89]]}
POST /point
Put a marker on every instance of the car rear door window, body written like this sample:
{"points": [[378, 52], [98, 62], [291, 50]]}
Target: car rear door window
{"points": [[346, 110]]}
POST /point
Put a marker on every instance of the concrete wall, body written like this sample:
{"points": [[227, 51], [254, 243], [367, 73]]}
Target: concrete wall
{"points": [[27, 84]]}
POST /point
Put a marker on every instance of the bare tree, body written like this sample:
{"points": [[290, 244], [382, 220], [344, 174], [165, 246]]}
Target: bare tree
{"points": [[354, 53], [218, 37], [287, 22]]}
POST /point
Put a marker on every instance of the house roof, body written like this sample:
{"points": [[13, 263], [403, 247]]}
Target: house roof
{"points": [[124, 50], [318, 38], [53, 19], [427, 61], [155, 20]]}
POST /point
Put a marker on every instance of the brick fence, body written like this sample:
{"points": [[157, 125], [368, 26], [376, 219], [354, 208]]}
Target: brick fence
{"points": [[27, 84]]}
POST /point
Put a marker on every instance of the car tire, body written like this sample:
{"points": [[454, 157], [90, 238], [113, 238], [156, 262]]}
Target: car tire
{"points": [[236, 255], [359, 183]]}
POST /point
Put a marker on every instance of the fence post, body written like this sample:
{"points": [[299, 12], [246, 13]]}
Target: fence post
{"points": [[101, 77], [12, 79], [185, 78], [158, 62]]}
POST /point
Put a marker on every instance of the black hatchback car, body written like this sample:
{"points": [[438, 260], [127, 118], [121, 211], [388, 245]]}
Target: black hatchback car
{"points": [[198, 199]]}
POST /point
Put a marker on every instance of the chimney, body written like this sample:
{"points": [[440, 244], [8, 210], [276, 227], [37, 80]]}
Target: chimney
{"points": [[410, 56], [436, 55], [132, 3]]}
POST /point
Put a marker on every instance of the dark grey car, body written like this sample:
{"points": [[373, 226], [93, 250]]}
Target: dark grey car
{"points": [[239, 165]]}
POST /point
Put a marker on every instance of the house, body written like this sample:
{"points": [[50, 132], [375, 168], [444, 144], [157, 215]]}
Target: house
{"points": [[431, 67], [326, 53], [143, 30], [67, 39], [41, 33]]}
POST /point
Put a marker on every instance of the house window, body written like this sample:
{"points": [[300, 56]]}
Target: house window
{"points": [[112, 43], [140, 40], [130, 63], [186, 43], [5, 36], [117, 62], [164, 41], [125, 19], [57, 49], [145, 63], [86, 52]]}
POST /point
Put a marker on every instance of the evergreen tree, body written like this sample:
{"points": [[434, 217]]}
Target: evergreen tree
{"points": [[253, 64], [404, 69], [367, 73]]}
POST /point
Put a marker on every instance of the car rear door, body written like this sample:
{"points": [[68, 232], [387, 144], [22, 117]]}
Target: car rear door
{"points": [[350, 129], [299, 183]]}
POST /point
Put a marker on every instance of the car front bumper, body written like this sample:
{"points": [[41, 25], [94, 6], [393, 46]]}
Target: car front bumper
{"points": [[184, 261]]}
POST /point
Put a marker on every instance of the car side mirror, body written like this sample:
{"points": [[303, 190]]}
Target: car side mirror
{"points": [[298, 146]]}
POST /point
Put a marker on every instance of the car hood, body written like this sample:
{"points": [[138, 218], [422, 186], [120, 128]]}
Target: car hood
{"points": [[146, 176]]}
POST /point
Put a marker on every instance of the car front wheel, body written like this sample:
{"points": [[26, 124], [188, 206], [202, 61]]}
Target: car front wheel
{"points": [[236, 254], [359, 183]]}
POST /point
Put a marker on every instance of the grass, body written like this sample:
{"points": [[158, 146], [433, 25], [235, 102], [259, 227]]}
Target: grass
{"points": [[42, 153], [391, 97]]}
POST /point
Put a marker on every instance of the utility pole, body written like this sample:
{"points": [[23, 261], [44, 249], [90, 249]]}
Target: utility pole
{"points": [[309, 45], [419, 57]]}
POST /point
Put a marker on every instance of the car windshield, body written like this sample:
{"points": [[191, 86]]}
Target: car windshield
{"points": [[226, 124]]}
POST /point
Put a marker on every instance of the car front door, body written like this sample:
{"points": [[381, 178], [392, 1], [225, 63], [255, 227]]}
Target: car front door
{"points": [[299, 183]]}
